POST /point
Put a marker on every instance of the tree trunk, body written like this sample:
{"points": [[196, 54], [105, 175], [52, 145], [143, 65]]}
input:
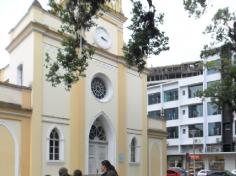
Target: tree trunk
{"points": [[227, 125]]}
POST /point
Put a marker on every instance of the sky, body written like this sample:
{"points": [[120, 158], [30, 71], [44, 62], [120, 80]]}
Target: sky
{"points": [[185, 34]]}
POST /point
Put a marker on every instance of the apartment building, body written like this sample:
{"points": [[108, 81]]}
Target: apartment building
{"points": [[193, 123]]}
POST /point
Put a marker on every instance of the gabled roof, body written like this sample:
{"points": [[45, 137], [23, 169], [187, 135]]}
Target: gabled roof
{"points": [[36, 3]]}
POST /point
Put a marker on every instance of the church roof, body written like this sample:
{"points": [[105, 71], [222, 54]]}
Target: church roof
{"points": [[36, 3]]}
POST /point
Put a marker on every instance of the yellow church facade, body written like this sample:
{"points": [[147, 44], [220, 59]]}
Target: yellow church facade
{"points": [[103, 116]]}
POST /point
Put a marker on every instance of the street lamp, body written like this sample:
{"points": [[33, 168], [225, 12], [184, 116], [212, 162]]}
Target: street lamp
{"points": [[193, 132]]}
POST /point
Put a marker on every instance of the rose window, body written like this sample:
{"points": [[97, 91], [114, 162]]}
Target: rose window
{"points": [[98, 88]]}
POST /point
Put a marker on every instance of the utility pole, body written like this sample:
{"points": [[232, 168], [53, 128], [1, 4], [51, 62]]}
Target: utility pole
{"points": [[193, 134]]}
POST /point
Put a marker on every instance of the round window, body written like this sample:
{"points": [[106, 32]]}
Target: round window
{"points": [[98, 88], [101, 87]]}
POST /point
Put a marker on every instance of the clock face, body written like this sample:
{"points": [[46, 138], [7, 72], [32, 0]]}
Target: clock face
{"points": [[102, 38]]}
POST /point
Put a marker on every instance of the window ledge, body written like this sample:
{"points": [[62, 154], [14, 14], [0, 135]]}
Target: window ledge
{"points": [[55, 162], [134, 163]]}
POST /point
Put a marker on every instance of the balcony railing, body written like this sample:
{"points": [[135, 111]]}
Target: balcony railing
{"points": [[220, 149], [213, 149]]}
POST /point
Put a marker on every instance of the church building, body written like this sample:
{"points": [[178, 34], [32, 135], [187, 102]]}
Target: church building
{"points": [[103, 116]]}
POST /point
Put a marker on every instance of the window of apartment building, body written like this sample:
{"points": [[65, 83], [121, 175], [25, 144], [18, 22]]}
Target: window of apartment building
{"points": [[183, 92], [216, 162], [183, 111], [195, 110], [214, 129], [214, 66], [154, 98], [173, 132], [171, 114], [20, 74], [192, 90], [195, 130], [154, 114], [171, 95], [212, 83], [213, 109]]}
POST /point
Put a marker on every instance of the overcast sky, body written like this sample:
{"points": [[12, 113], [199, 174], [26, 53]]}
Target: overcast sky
{"points": [[186, 38]]}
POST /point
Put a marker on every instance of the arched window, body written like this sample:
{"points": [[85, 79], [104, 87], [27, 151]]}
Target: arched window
{"points": [[54, 145], [133, 150], [97, 133]]}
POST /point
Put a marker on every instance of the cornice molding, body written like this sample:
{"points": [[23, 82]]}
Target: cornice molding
{"points": [[14, 109], [155, 133], [14, 86]]}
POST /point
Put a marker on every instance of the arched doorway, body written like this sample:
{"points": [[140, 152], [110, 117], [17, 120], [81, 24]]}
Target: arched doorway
{"points": [[7, 152], [98, 146]]}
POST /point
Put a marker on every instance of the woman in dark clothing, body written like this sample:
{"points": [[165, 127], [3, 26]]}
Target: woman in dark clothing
{"points": [[108, 169]]}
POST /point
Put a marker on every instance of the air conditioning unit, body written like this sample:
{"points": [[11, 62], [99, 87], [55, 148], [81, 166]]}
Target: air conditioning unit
{"points": [[218, 140]]}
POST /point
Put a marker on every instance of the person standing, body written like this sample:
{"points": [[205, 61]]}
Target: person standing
{"points": [[77, 172], [108, 169], [63, 172]]}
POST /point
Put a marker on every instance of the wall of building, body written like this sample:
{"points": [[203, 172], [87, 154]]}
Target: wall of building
{"points": [[135, 119], [134, 100], [22, 54], [14, 127], [157, 150], [230, 162], [7, 146]]}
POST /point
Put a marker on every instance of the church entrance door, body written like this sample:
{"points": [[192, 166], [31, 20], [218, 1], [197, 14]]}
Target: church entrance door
{"points": [[98, 147]]}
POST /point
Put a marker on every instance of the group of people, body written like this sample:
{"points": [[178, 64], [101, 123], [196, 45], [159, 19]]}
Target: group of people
{"points": [[107, 169], [64, 172]]}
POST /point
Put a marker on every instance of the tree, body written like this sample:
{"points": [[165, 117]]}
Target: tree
{"points": [[72, 60], [146, 38], [77, 17], [223, 44]]}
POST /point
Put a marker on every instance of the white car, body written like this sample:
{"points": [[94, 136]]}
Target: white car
{"points": [[233, 171], [203, 172]]}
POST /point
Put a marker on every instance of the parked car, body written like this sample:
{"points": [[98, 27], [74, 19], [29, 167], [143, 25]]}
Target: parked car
{"points": [[173, 172], [233, 171], [221, 173], [203, 172], [181, 171]]}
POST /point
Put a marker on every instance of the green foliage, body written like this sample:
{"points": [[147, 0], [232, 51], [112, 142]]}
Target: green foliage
{"points": [[146, 38], [77, 17], [195, 7], [72, 60], [222, 31], [223, 91], [69, 66]]}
